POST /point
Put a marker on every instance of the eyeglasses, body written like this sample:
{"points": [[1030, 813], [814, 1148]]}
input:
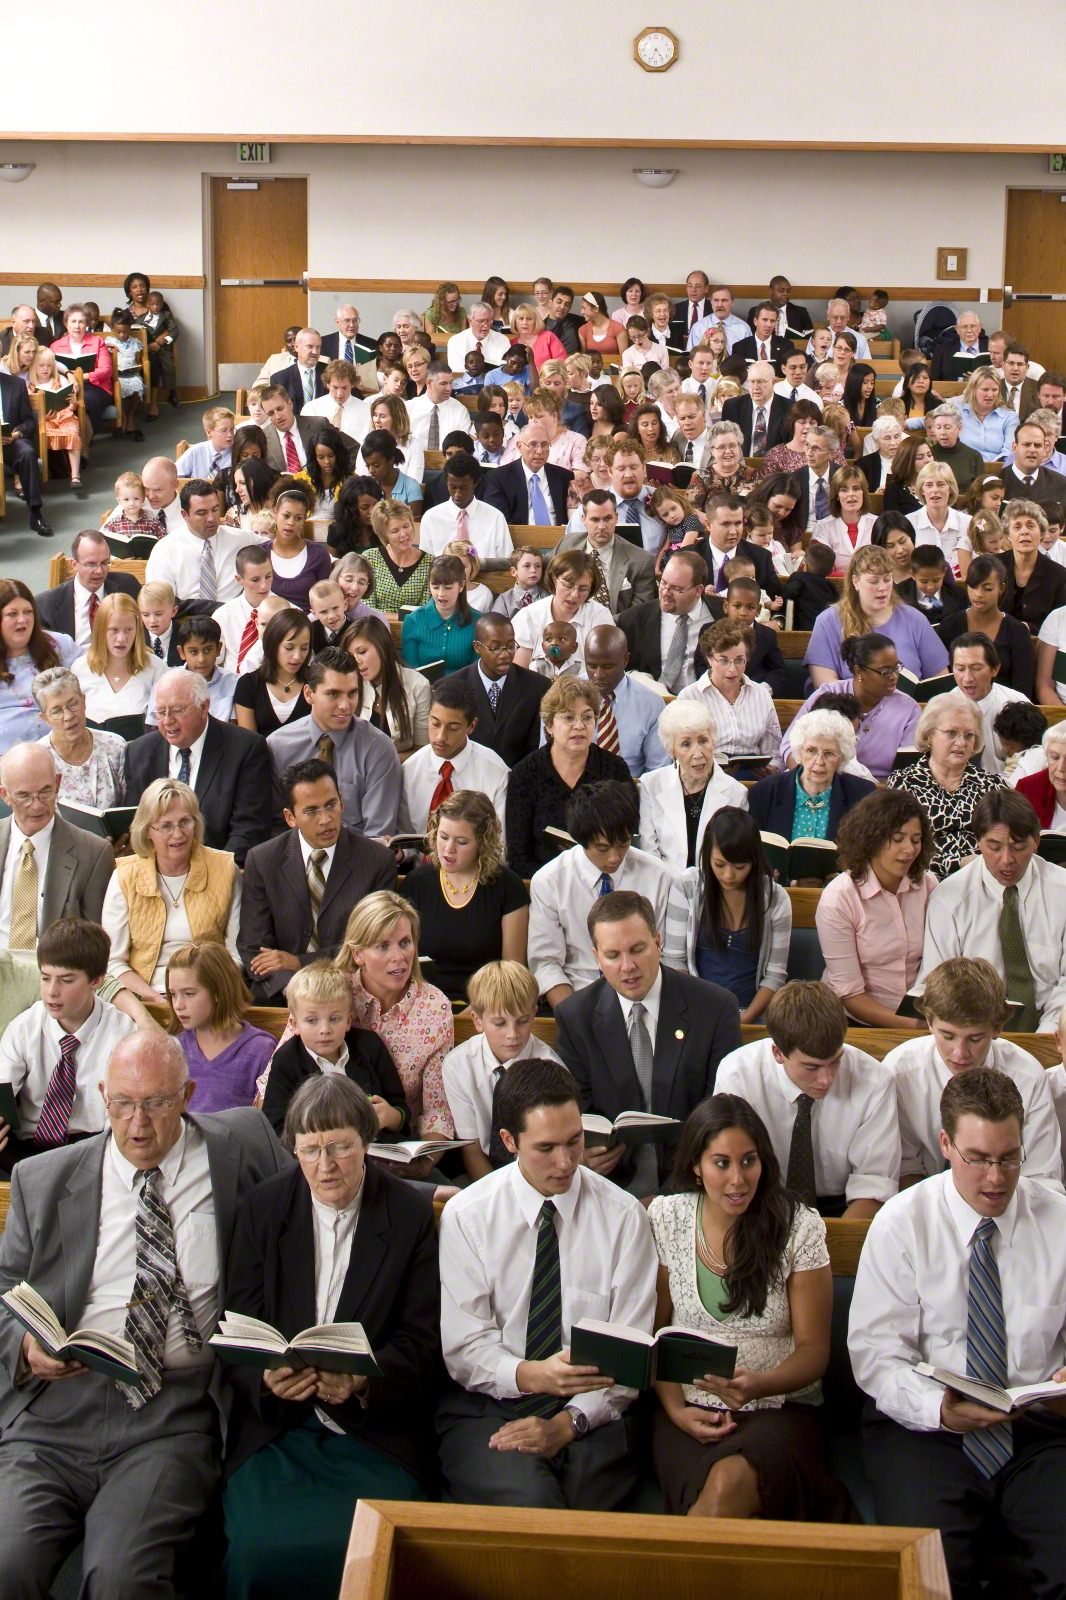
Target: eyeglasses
{"points": [[882, 672], [125, 1110], [986, 1163], [40, 798], [332, 1152]]}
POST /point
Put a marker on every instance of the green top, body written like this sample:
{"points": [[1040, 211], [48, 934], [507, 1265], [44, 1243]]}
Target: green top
{"points": [[712, 1291]]}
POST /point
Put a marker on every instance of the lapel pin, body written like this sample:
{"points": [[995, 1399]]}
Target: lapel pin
{"points": [[679, 1033]]}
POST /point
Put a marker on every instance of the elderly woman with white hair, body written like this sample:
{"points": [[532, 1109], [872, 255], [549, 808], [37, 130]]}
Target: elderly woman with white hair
{"points": [[809, 801], [950, 732], [172, 891], [882, 442], [1047, 788], [937, 521], [943, 427], [90, 761], [678, 801]]}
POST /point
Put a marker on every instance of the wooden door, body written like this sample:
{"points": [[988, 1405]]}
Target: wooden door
{"points": [[1035, 263], [258, 233]]}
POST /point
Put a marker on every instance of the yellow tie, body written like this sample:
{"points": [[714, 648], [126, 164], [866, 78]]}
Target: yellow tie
{"points": [[23, 935]]}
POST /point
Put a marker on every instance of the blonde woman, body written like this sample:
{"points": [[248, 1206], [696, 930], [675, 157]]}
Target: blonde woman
{"points": [[62, 429], [938, 522], [118, 671], [869, 604]]}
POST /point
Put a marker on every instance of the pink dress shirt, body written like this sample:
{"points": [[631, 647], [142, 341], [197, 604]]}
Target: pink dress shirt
{"points": [[872, 940]]}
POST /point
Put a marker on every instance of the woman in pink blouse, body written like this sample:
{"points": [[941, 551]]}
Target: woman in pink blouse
{"points": [[871, 919], [77, 341]]}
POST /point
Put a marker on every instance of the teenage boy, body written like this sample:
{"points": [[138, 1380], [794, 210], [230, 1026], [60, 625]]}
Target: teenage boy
{"points": [[199, 648], [503, 1004], [239, 618], [965, 1007], [158, 607], [320, 1005], [829, 1108], [451, 760], [53, 1054]]}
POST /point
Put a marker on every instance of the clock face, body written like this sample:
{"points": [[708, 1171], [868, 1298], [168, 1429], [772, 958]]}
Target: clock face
{"points": [[656, 49]]}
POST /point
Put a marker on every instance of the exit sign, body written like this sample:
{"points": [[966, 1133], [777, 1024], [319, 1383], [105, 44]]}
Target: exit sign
{"points": [[1057, 163], [253, 154]]}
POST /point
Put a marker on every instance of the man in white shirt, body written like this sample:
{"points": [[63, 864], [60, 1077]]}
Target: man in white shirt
{"points": [[478, 336], [160, 478], [975, 668], [1008, 907], [793, 385], [692, 438], [451, 760], [838, 318], [525, 1253], [48, 868], [339, 406], [965, 1006], [602, 819], [830, 1109], [464, 516], [734, 328], [435, 414], [966, 1272], [199, 560]]}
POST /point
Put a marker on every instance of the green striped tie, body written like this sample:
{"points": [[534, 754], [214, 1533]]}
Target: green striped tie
{"points": [[544, 1330]]}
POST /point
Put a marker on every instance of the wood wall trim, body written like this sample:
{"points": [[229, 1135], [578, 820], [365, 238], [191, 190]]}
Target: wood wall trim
{"points": [[742, 291], [102, 280]]}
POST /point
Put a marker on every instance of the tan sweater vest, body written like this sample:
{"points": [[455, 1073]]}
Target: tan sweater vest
{"points": [[208, 895]]}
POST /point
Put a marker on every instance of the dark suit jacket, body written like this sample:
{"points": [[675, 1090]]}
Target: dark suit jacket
{"points": [[392, 1287], [289, 378], [1047, 486], [276, 902], [56, 606], [20, 419], [642, 627], [506, 490], [232, 783], [699, 1024], [79, 870], [944, 366], [369, 1065], [772, 801], [778, 349], [741, 410], [309, 428], [767, 665], [514, 730]]}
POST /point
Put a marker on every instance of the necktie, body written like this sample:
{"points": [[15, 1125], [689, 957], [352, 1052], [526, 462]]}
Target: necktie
{"points": [[336, 417], [316, 887], [325, 749], [499, 1155], [1017, 973], [821, 500], [795, 396], [762, 352], [645, 1179], [158, 1288], [94, 606], [544, 1328], [157, 646], [309, 384], [444, 787], [59, 1099], [349, 351], [986, 1349], [208, 580], [1012, 398], [702, 392], [433, 441], [758, 436], [800, 1177], [24, 890], [184, 765], [495, 691], [606, 884], [607, 727], [292, 459], [248, 637], [538, 506], [674, 665]]}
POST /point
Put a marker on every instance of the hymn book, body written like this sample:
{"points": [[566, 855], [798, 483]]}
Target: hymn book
{"points": [[331, 1347], [103, 1352], [636, 1359]]}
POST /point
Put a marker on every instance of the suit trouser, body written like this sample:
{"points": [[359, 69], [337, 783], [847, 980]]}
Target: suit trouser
{"points": [[80, 1461], [21, 456]]}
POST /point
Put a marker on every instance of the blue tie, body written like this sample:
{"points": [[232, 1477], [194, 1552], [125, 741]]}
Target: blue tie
{"points": [[183, 765], [986, 1349], [538, 508], [349, 353], [606, 885]]}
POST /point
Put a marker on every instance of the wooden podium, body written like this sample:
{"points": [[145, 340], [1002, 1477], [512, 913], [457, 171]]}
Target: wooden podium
{"points": [[400, 1550]]}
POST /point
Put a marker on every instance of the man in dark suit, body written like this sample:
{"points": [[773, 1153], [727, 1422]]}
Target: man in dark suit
{"points": [[765, 343], [793, 322], [687, 312], [959, 350], [1025, 478], [744, 409], [76, 868], [280, 930], [66, 608], [643, 1037], [18, 423], [283, 423], [347, 343], [510, 490], [512, 726], [228, 767]]}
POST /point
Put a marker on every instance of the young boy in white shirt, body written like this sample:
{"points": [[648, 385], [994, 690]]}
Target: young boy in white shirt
{"points": [[503, 1003], [239, 618], [158, 607], [53, 1055]]}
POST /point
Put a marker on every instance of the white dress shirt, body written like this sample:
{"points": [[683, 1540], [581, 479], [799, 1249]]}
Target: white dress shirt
{"points": [[921, 1076], [962, 919], [912, 1291], [695, 620], [488, 1243], [803, 392], [470, 1080], [83, 633], [1000, 695], [747, 726], [854, 1129], [176, 560], [103, 700], [187, 1193], [452, 417], [29, 1054], [115, 918], [663, 829], [232, 619], [355, 414], [334, 1231], [562, 894], [42, 843], [529, 625], [494, 346], [196, 750], [486, 529], [475, 766]]}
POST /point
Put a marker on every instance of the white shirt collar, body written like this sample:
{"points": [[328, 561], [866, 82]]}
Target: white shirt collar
{"points": [[170, 1165]]}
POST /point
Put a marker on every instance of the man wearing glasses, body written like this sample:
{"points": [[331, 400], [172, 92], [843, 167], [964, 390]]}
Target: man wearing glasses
{"points": [[966, 1272], [127, 1232], [71, 607]]}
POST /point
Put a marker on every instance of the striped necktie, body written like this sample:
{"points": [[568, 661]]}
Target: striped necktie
{"points": [[607, 727], [24, 891], [544, 1328], [208, 579], [316, 888], [59, 1099], [158, 1288], [986, 1349]]}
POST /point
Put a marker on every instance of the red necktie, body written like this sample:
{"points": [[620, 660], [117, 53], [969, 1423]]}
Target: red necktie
{"points": [[248, 637], [292, 460], [94, 606], [607, 727], [59, 1099], [444, 787]]}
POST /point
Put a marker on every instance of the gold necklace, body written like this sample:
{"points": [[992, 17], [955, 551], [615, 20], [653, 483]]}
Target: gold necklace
{"points": [[451, 893]]}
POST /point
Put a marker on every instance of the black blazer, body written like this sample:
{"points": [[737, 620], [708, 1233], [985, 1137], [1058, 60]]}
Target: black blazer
{"points": [[369, 1065], [699, 1024], [1043, 594], [506, 490], [1047, 486], [772, 801], [232, 783], [741, 410], [779, 349], [514, 730], [767, 665], [943, 364], [642, 628], [289, 379], [55, 607], [20, 419], [392, 1287], [276, 902]]}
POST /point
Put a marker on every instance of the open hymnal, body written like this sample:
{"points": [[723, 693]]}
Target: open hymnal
{"points": [[631, 1127], [637, 1359], [332, 1347], [103, 1352], [990, 1394]]}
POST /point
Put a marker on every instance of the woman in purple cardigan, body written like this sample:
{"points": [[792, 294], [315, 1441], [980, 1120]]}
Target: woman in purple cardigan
{"points": [[209, 1003]]}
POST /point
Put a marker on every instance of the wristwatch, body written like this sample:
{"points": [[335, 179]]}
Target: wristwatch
{"points": [[579, 1420]]}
